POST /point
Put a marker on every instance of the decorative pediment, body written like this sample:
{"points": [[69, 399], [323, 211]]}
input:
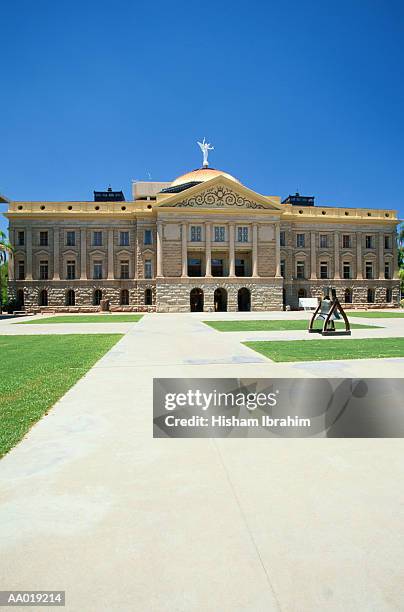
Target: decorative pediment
{"points": [[221, 193], [218, 197]]}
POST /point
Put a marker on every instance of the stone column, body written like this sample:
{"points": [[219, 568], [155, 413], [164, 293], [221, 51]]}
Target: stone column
{"points": [[395, 270], [11, 262], [111, 274], [381, 256], [184, 244], [232, 262], [277, 250], [83, 254], [337, 274], [359, 275], [255, 250], [56, 254], [28, 254], [208, 250], [313, 259], [159, 248]]}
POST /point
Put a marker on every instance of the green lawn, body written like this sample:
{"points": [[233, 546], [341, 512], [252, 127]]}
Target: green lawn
{"points": [[328, 349], [272, 325], [35, 371], [374, 314], [95, 318]]}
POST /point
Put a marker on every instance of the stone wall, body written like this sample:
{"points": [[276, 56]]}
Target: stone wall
{"points": [[174, 295]]}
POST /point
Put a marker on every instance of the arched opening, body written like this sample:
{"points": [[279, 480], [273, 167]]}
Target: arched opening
{"points": [[124, 297], [220, 300], [97, 297], [244, 299], [43, 298], [196, 300], [70, 298], [348, 296], [301, 293], [20, 299], [148, 297], [371, 295]]}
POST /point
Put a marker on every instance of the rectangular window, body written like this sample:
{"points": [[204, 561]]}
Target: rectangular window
{"points": [[220, 233], [196, 233], [387, 273], [97, 269], [70, 238], [20, 238], [240, 267], [282, 238], [323, 269], [346, 241], [43, 270], [387, 242], [242, 234], [71, 269], [123, 238], [125, 269], [300, 272], [283, 268], [194, 266], [21, 270], [43, 239], [148, 239], [148, 268], [323, 241], [217, 267], [369, 242], [346, 269], [369, 269], [97, 238], [300, 240]]}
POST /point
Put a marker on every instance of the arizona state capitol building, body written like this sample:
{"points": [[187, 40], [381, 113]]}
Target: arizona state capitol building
{"points": [[202, 242]]}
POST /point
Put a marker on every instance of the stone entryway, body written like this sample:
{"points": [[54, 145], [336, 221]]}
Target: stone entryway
{"points": [[220, 300], [196, 300], [244, 300]]}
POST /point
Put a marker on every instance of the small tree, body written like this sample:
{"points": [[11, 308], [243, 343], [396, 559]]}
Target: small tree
{"points": [[5, 249]]}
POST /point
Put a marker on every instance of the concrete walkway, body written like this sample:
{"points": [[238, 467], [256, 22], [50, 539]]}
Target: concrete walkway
{"points": [[92, 504]]}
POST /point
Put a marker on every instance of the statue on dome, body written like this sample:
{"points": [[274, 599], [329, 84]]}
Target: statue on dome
{"points": [[205, 148]]}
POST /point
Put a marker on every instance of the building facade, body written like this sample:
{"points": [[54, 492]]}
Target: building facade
{"points": [[203, 242]]}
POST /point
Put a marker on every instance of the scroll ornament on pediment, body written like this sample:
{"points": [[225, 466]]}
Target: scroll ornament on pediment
{"points": [[220, 197]]}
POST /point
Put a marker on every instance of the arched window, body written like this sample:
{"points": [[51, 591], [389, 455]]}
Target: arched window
{"points": [[97, 297], [124, 297], [371, 296], [43, 298], [148, 297], [389, 295], [348, 296], [70, 297], [301, 293], [20, 299]]}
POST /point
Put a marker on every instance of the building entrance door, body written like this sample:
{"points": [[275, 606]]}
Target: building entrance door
{"points": [[244, 300], [220, 300], [196, 300]]}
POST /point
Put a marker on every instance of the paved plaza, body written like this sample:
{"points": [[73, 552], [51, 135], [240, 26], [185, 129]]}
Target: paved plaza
{"points": [[93, 505]]}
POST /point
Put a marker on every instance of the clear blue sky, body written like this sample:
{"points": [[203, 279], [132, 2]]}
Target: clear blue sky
{"points": [[306, 95]]}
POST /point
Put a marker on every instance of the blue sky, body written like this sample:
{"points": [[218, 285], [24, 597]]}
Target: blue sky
{"points": [[293, 95]]}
